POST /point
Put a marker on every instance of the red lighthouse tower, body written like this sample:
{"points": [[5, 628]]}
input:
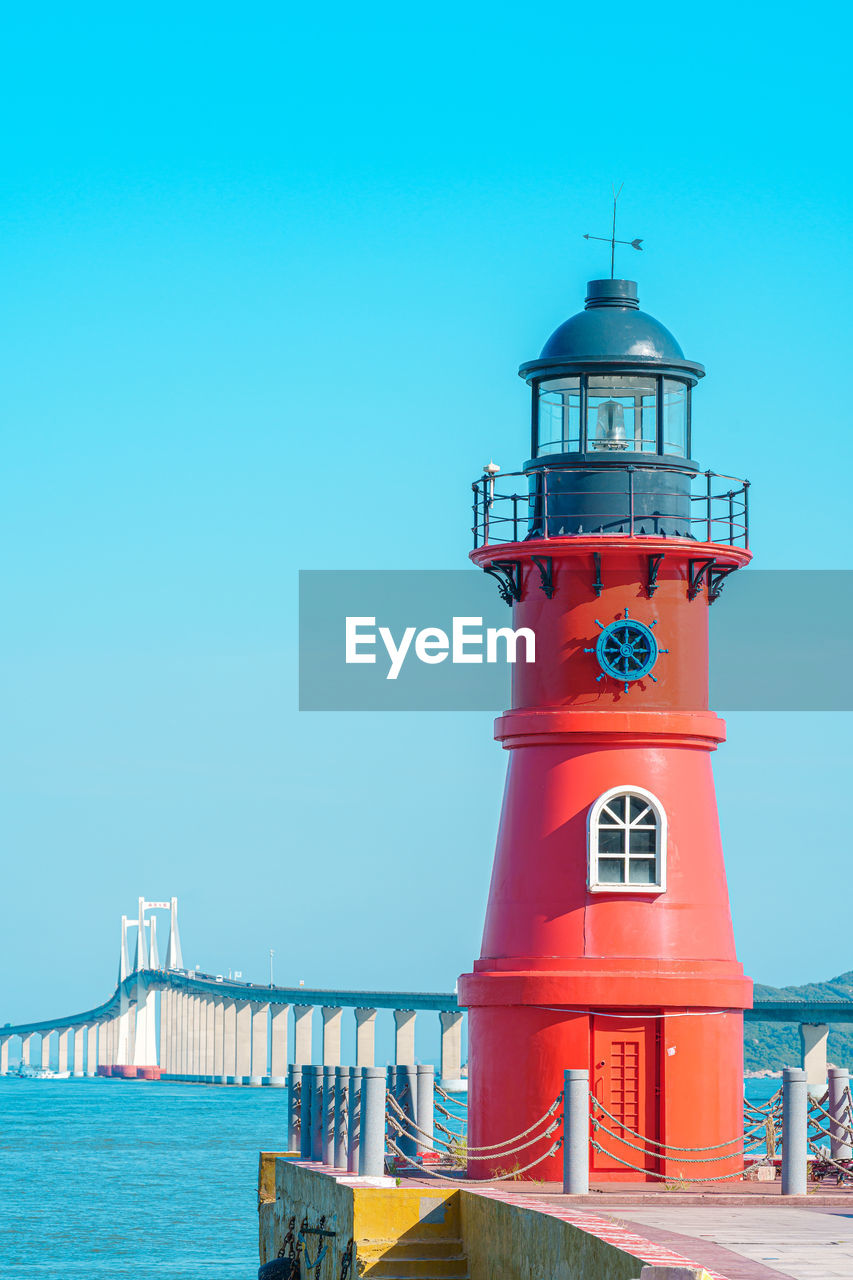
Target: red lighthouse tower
{"points": [[608, 940]]}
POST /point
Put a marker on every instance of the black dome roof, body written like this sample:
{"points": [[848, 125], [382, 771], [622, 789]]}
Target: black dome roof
{"points": [[611, 330]]}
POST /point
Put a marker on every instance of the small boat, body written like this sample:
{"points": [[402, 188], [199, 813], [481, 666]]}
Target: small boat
{"points": [[455, 1086], [26, 1072]]}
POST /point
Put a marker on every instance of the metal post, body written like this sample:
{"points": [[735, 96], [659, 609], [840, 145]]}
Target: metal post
{"points": [[328, 1150], [575, 1132], [341, 1116], [306, 1111], [795, 1103], [631, 499], [746, 514], [840, 1148], [371, 1158], [708, 479], [424, 1109], [294, 1109], [354, 1119]]}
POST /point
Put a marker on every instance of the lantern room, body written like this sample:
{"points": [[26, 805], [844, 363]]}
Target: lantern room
{"points": [[611, 421]]}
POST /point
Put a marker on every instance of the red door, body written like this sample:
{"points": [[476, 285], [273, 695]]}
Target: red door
{"points": [[624, 1080]]}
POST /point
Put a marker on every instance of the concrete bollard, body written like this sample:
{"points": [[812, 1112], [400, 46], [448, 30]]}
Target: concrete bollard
{"points": [[316, 1112], [425, 1106], [840, 1148], [305, 1114], [294, 1090], [354, 1119], [371, 1160], [328, 1156], [575, 1132], [407, 1096], [795, 1104], [341, 1116]]}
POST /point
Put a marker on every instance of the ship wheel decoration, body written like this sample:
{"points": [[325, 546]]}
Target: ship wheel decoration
{"points": [[626, 650]]}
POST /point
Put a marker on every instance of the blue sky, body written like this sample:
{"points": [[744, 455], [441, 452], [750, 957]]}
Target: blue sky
{"points": [[266, 280]]}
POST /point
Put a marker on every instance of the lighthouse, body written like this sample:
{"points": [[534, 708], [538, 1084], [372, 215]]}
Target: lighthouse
{"points": [[608, 941]]}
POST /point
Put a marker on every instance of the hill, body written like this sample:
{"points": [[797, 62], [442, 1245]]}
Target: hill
{"points": [[774, 1045]]}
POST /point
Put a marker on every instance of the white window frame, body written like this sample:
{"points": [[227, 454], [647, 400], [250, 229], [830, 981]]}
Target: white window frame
{"points": [[593, 883]]}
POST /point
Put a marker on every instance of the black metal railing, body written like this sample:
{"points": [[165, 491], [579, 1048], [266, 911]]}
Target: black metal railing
{"points": [[718, 514]]}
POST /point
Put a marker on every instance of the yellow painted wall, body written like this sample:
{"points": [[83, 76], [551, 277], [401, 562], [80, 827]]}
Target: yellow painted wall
{"points": [[503, 1239]]}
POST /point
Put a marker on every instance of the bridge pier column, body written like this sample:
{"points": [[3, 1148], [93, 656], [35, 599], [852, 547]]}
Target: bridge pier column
{"points": [[229, 1040], [813, 1038], [218, 1039], [243, 1056], [179, 1032], [404, 1037], [4, 1055], [91, 1050], [278, 1043], [165, 1051], [209, 1038], [186, 1027], [331, 1037], [197, 1032], [302, 1016], [195, 1066], [62, 1038], [27, 1049], [103, 1044], [79, 1040], [260, 1051], [365, 1037], [451, 1044], [44, 1061]]}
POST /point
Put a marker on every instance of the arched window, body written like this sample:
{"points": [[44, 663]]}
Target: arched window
{"points": [[627, 842]]}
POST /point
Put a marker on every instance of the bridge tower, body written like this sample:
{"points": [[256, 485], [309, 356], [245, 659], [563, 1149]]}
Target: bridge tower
{"points": [[608, 942]]}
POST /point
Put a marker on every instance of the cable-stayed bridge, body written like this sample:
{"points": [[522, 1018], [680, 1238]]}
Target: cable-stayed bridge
{"points": [[163, 1021], [167, 1022]]}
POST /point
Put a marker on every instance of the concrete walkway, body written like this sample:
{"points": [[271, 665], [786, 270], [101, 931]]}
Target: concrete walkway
{"points": [[773, 1240]]}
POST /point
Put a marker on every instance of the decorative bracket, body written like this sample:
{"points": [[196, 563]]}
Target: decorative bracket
{"points": [[597, 585], [654, 566], [717, 580], [507, 574], [699, 569], [545, 565]]}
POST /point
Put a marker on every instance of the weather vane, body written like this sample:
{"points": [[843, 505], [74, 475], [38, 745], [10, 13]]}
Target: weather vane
{"points": [[611, 239]]}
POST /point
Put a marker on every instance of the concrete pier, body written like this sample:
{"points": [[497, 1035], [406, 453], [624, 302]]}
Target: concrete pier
{"points": [[365, 1037], [404, 1037], [302, 1020], [331, 1037], [451, 1045], [243, 1055], [260, 1043], [813, 1039], [91, 1049], [278, 1042]]}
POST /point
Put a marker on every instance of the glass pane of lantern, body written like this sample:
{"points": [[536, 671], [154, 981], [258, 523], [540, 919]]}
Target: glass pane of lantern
{"points": [[611, 871], [559, 416], [611, 840], [621, 414], [642, 871], [674, 417], [643, 840]]}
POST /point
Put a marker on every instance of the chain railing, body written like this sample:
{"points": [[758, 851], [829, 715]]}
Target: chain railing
{"points": [[370, 1120], [518, 505]]}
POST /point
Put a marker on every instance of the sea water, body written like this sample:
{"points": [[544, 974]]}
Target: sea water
{"points": [[129, 1179]]}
